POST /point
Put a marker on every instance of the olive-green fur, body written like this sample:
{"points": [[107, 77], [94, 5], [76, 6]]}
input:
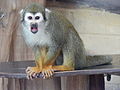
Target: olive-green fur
{"points": [[34, 8]]}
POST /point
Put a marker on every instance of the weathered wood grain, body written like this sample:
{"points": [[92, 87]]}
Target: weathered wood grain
{"points": [[75, 83], [40, 84]]}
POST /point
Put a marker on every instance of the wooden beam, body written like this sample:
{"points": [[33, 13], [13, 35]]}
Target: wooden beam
{"points": [[109, 5]]}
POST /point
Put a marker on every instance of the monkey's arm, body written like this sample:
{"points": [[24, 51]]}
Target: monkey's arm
{"points": [[68, 62]]}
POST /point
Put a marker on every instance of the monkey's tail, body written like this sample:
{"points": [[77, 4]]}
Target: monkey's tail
{"points": [[98, 60]]}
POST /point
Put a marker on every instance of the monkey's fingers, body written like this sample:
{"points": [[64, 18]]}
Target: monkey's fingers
{"points": [[28, 69], [50, 73], [43, 74], [32, 72], [30, 75], [47, 73]]}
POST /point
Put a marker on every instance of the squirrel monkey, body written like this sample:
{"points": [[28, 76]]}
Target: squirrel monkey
{"points": [[50, 35]]}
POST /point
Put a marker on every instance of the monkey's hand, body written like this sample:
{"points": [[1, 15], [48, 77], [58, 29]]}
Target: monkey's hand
{"points": [[47, 71], [32, 72]]}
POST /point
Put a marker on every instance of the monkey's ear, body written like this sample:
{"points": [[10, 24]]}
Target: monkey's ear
{"points": [[21, 11], [21, 14], [47, 12]]}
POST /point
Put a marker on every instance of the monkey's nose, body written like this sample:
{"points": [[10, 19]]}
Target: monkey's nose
{"points": [[34, 25]]}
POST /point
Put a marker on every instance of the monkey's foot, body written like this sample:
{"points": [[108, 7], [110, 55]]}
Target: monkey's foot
{"points": [[47, 72], [32, 72]]}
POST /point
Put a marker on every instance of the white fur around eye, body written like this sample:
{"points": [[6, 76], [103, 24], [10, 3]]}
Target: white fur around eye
{"points": [[27, 15], [40, 15]]}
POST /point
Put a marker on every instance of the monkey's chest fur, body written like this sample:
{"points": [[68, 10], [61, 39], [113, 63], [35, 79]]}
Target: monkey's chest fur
{"points": [[41, 38]]}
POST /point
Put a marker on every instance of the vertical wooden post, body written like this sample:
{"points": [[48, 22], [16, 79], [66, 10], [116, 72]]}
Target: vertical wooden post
{"points": [[75, 83], [40, 84], [97, 82]]}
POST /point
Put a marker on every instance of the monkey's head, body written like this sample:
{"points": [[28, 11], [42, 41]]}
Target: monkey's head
{"points": [[33, 16]]}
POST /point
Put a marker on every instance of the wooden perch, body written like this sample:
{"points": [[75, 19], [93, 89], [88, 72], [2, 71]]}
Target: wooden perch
{"points": [[17, 70]]}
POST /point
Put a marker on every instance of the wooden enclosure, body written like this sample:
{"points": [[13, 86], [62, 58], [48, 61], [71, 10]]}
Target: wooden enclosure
{"points": [[99, 30]]}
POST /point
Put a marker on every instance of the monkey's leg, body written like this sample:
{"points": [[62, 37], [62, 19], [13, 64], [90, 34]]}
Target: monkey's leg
{"points": [[68, 61], [49, 60], [39, 56], [68, 64]]}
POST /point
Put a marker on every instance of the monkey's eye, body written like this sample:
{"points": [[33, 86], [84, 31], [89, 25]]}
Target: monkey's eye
{"points": [[29, 17], [37, 17]]}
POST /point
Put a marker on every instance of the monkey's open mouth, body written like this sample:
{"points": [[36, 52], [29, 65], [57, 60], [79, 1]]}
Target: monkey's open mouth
{"points": [[34, 28]]}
